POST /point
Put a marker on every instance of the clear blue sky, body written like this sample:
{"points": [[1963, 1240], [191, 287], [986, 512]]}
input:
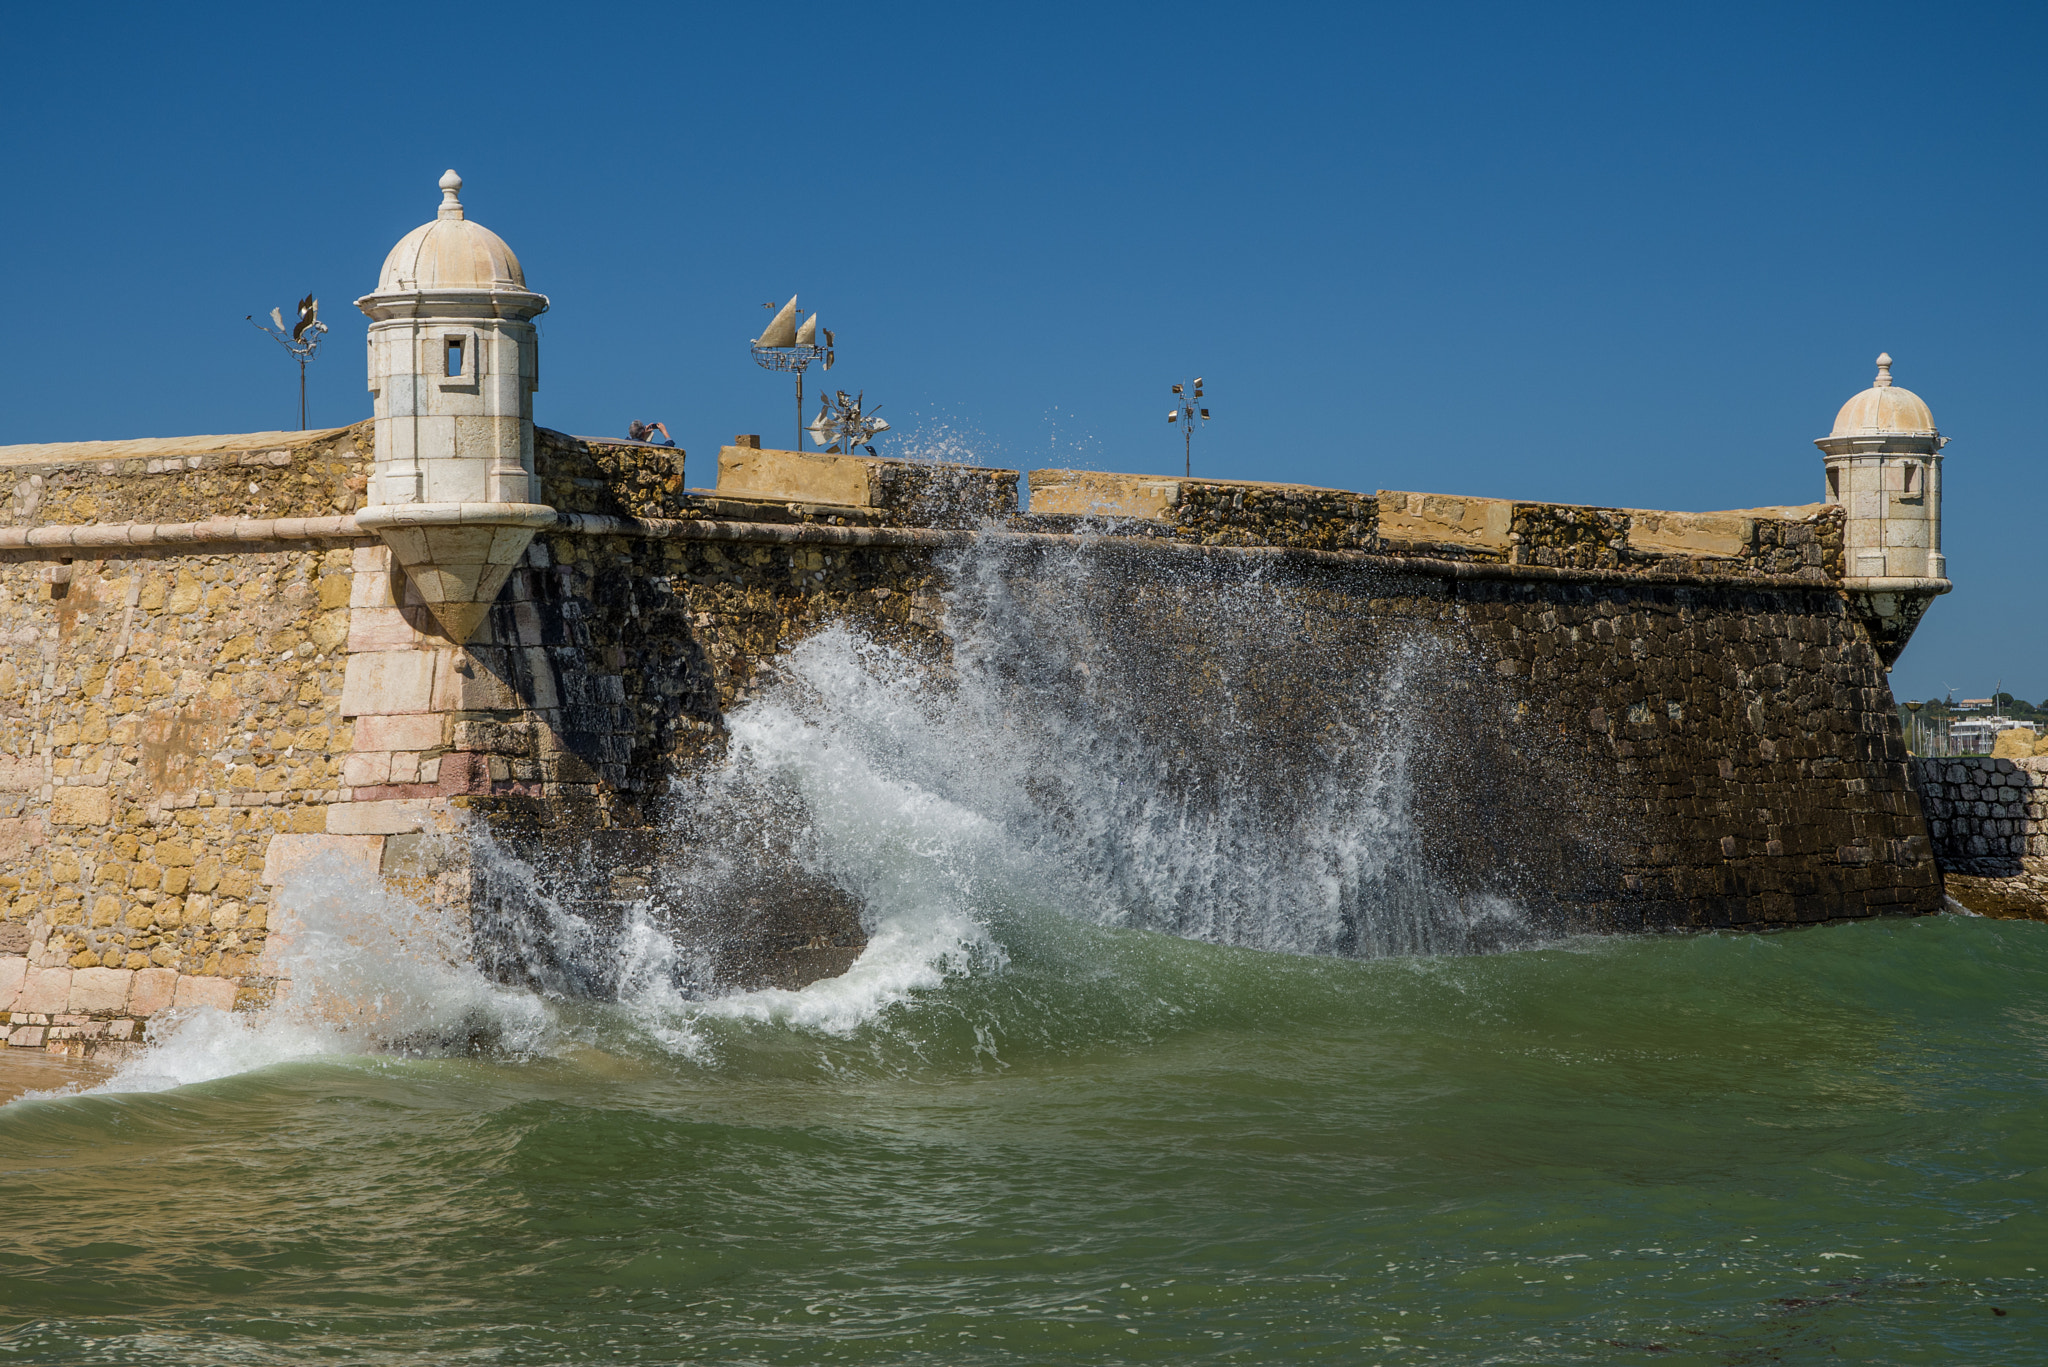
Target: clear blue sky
{"points": [[1621, 254]]}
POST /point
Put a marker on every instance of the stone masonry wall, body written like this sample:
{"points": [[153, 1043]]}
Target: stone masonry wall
{"points": [[1988, 819], [162, 718], [1744, 764], [181, 727]]}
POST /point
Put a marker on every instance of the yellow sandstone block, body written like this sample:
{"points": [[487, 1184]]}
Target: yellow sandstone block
{"points": [[81, 807]]}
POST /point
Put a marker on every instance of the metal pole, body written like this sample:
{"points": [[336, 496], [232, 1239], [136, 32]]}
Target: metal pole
{"points": [[1188, 446], [799, 410], [302, 393]]}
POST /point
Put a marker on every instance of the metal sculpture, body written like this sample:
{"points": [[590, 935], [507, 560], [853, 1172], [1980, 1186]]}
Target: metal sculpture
{"points": [[843, 424], [302, 341], [787, 347]]}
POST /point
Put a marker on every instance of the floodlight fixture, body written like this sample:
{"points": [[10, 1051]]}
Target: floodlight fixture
{"points": [[1188, 414]]}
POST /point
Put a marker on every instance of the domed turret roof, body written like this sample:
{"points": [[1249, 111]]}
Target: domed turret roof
{"points": [[1884, 410], [451, 253]]}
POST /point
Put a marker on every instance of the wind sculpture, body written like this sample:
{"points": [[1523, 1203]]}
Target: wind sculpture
{"points": [[301, 342], [785, 346], [842, 424]]}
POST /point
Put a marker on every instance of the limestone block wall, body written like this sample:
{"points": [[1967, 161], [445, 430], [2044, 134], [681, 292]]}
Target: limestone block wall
{"points": [[163, 717], [1988, 819]]}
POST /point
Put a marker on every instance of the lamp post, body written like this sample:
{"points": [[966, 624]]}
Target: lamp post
{"points": [[1187, 410]]}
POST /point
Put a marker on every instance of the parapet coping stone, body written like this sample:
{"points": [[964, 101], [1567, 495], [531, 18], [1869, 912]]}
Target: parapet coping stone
{"points": [[55, 540], [140, 448]]}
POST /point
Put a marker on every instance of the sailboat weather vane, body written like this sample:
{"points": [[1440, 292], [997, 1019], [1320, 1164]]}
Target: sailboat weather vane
{"points": [[785, 346], [1187, 410], [302, 341]]}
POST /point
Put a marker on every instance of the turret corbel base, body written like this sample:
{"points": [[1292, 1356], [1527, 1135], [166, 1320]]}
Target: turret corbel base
{"points": [[1891, 609], [457, 556]]}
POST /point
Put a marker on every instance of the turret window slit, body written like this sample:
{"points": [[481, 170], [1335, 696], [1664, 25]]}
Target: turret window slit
{"points": [[454, 357]]}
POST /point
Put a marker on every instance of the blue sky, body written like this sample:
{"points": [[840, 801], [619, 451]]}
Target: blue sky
{"points": [[1626, 254]]}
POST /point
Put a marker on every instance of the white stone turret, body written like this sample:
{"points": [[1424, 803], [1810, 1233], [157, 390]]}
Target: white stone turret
{"points": [[1884, 467], [454, 363]]}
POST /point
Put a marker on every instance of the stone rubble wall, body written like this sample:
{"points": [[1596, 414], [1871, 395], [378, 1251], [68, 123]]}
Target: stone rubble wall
{"points": [[1803, 542], [612, 479], [1988, 819], [163, 716], [188, 479]]}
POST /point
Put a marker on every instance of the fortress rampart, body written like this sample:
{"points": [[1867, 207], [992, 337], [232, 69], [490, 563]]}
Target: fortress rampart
{"points": [[495, 668], [1670, 719]]}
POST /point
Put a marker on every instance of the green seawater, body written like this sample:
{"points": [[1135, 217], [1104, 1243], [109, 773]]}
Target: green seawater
{"points": [[1115, 1147]]}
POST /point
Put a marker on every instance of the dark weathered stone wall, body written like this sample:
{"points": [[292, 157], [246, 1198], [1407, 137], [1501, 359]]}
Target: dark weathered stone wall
{"points": [[1611, 755], [646, 644], [1988, 820], [1744, 765]]}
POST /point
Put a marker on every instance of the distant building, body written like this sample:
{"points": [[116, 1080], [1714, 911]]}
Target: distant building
{"points": [[1977, 735]]}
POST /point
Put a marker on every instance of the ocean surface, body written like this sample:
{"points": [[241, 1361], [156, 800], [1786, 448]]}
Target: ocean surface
{"points": [[1117, 1146], [1157, 1054]]}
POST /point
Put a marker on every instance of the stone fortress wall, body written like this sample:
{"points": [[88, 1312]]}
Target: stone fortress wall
{"points": [[1988, 819], [417, 646], [190, 710]]}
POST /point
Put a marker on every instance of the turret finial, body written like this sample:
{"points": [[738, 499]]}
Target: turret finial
{"points": [[451, 207], [1884, 361]]}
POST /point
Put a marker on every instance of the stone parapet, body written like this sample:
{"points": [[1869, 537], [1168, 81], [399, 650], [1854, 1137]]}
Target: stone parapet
{"points": [[889, 492], [257, 476], [610, 478], [1210, 512], [1803, 542]]}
